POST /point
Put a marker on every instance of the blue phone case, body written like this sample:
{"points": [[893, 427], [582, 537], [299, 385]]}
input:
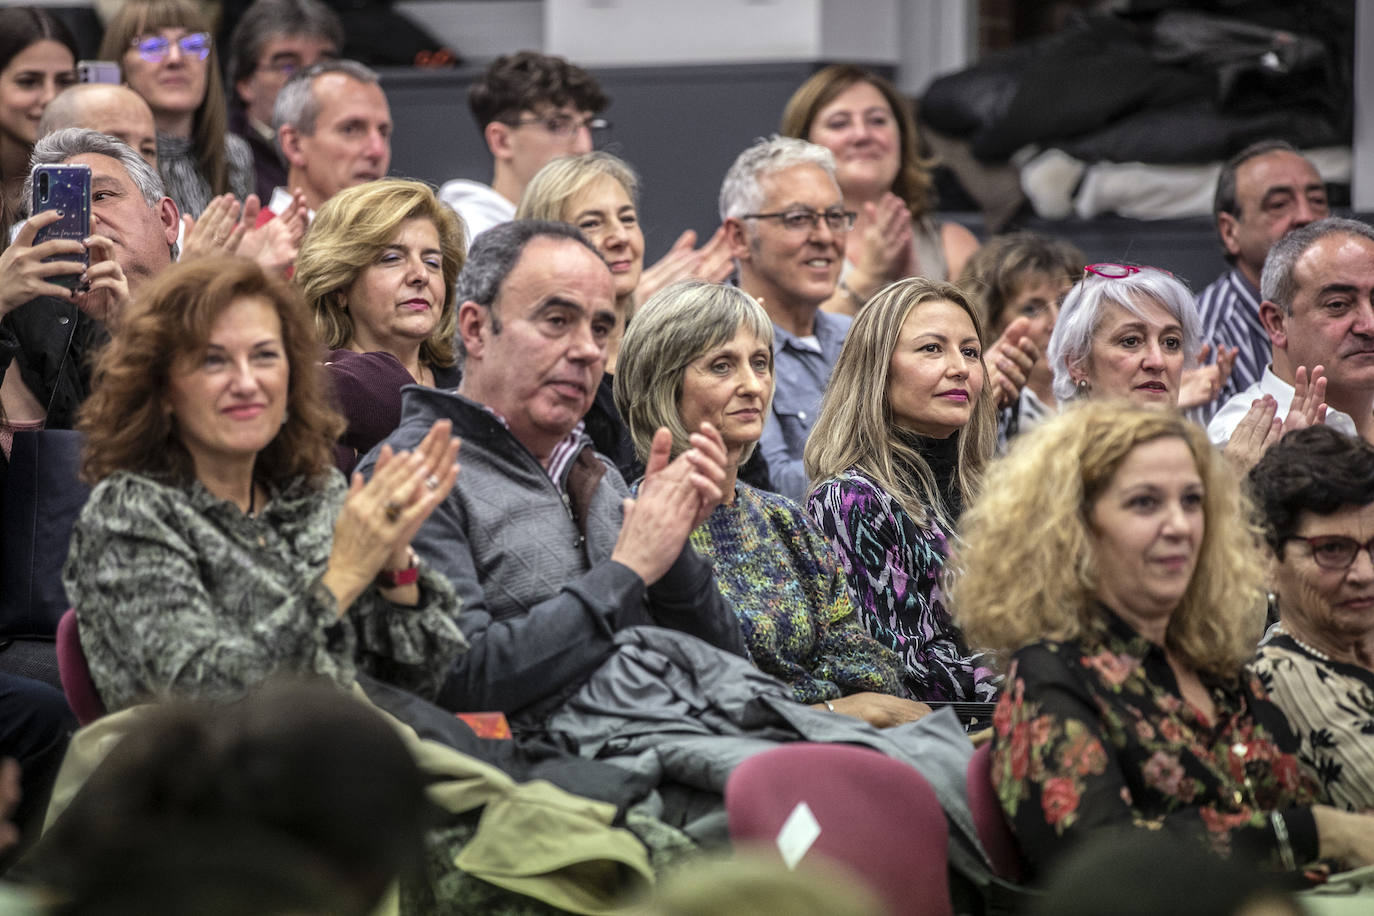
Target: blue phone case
{"points": [[66, 188]]}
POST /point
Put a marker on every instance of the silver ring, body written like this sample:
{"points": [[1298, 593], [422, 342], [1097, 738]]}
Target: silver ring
{"points": [[432, 482], [392, 510]]}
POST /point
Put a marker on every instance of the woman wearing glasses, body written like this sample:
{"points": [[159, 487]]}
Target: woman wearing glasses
{"points": [[1315, 495], [905, 429], [167, 55], [865, 122]]}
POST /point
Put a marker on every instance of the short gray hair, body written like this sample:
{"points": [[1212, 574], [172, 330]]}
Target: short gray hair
{"points": [[494, 254], [61, 145], [1081, 314], [1277, 283], [297, 104], [679, 324], [741, 192]]}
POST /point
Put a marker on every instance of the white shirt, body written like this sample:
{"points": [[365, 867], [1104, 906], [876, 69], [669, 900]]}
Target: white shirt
{"points": [[479, 206], [1234, 410]]}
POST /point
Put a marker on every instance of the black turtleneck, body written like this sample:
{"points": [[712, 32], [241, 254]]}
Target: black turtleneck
{"points": [[942, 456]]}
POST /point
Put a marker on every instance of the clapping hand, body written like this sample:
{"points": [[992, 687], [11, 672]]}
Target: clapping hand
{"points": [[380, 516], [675, 497]]}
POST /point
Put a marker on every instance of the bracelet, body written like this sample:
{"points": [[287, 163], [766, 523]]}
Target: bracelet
{"points": [[1281, 835], [399, 578], [829, 705]]}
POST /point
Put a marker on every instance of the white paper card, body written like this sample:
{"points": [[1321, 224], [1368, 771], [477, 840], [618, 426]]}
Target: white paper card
{"points": [[798, 832]]}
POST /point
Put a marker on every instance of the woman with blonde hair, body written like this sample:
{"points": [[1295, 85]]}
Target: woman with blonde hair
{"points": [[905, 429], [865, 122], [1107, 560], [166, 53], [378, 267], [703, 353]]}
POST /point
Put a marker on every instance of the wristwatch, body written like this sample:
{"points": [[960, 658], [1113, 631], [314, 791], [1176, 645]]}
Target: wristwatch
{"points": [[399, 578]]}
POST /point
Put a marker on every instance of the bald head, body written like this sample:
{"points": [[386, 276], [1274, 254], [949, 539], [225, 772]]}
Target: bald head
{"points": [[114, 110]]}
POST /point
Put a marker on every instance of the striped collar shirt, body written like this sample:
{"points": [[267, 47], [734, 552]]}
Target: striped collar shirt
{"points": [[562, 455], [1229, 311]]}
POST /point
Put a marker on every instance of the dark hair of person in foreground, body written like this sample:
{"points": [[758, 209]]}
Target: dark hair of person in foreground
{"points": [[297, 799]]}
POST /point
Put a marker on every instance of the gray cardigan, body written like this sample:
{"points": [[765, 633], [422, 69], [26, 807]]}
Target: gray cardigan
{"points": [[541, 599]]}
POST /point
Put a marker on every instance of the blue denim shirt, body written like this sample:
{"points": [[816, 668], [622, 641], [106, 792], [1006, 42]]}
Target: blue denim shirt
{"points": [[801, 375]]}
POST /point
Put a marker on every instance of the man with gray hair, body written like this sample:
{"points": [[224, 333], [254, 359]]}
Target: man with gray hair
{"points": [[48, 332], [549, 556], [786, 225], [273, 40], [1317, 289], [334, 128]]}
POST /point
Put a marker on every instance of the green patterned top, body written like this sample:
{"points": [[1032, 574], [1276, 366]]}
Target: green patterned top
{"points": [[178, 593], [782, 578]]}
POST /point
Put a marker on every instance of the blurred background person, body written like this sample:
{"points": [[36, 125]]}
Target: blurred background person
{"points": [[1315, 494], [1109, 564], [905, 430], [37, 61], [531, 108], [294, 800], [114, 110], [1023, 275], [378, 266], [865, 122], [703, 353], [219, 546], [166, 54], [272, 41]]}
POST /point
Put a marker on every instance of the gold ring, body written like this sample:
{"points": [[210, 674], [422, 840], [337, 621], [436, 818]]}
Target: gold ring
{"points": [[392, 510]]}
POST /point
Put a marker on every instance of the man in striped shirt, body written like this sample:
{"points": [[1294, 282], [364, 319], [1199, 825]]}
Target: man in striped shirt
{"points": [[1264, 192]]}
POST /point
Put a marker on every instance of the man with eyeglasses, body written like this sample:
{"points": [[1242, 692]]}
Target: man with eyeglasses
{"points": [[1317, 307], [531, 108], [786, 225], [274, 40]]}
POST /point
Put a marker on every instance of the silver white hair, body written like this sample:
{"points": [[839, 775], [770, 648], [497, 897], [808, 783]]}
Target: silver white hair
{"points": [[61, 145], [741, 191], [1081, 314]]}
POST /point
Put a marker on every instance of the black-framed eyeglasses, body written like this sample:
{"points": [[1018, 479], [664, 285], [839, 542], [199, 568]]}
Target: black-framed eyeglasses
{"points": [[564, 125], [806, 219], [1335, 551], [155, 48]]}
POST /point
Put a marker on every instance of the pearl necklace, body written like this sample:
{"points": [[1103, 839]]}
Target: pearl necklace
{"points": [[1279, 628]]}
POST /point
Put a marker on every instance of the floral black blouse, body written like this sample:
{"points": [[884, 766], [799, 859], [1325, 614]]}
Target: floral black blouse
{"points": [[1094, 733]]}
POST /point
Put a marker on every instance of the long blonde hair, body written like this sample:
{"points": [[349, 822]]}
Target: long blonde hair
{"points": [[1026, 569], [855, 427]]}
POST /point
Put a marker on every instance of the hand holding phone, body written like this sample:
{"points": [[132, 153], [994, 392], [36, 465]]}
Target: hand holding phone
{"points": [[28, 267], [65, 189]]}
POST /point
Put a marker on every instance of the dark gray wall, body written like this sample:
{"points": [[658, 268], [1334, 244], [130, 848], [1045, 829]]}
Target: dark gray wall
{"points": [[680, 127]]}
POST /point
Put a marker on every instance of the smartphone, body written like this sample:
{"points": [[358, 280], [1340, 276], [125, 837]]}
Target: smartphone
{"points": [[98, 71], [66, 188]]}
